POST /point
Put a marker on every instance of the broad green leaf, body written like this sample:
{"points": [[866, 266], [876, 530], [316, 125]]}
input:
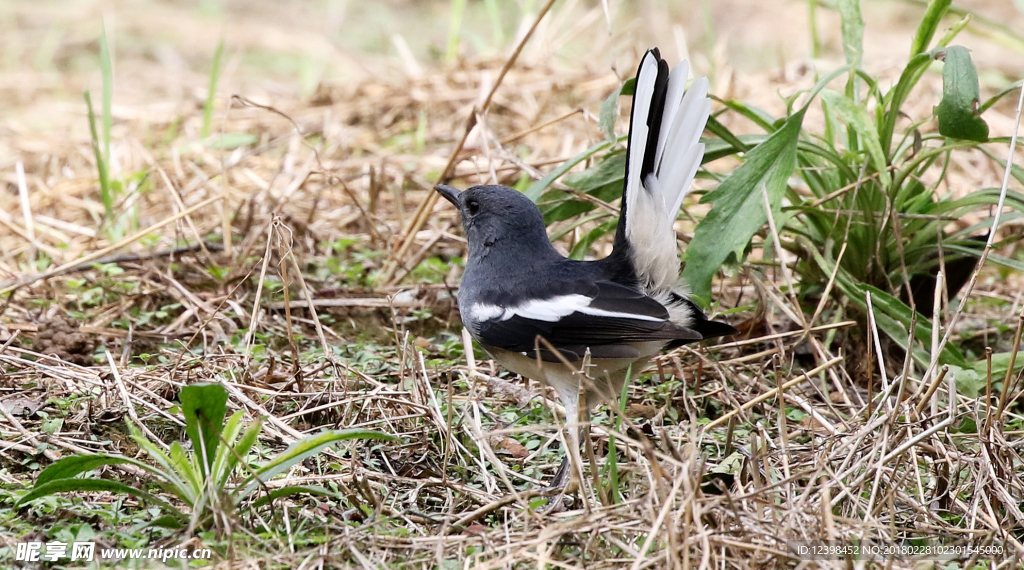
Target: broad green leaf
{"points": [[853, 31], [738, 210], [968, 381], [958, 110], [302, 449], [856, 116], [929, 23], [94, 485], [204, 405]]}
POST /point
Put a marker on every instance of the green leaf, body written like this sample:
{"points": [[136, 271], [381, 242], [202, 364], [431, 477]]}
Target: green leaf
{"points": [[895, 98], [97, 485], [856, 116], [302, 449], [888, 307], [738, 210], [241, 449], [609, 112], [853, 30], [204, 405], [580, 249], [537, 188], [74, 465], [186, 469], [958, 110], [929, 23], [968, 381], [610, 108]]}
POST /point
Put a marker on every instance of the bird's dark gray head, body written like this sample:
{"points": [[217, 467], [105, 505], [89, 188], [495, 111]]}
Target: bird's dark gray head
{"points": [[498, 216]]}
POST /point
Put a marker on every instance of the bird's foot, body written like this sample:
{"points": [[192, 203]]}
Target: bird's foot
{"points": [[563, 485]]}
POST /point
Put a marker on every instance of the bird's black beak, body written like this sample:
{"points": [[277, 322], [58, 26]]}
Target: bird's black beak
{"points": [[449, 193]]}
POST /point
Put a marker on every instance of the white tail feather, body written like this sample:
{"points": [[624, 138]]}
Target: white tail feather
{"points": [[642, 94], [653, 203]]}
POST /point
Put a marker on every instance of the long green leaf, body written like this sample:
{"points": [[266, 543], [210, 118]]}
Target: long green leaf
{"points": [[241, 449], [302, 449], [107, 71], [929, 23], [74, 465], [853, 31], [211, 94], [738, 210], [911, 74], [856, 116], [188, 471], [537, 188], [98, 485]]}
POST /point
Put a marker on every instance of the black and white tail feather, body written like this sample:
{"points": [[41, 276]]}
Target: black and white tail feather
{"points": [[663, 154]]}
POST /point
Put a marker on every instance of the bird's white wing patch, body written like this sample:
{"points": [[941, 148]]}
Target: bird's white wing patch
{"points": [[549, 310], [485, 312], [554, 309]]}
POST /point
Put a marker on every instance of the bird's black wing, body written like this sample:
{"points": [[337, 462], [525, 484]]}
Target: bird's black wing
{"points": [[605, 317]]}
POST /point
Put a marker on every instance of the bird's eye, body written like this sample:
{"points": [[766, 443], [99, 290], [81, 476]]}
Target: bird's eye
{"points": [[473, 207]]}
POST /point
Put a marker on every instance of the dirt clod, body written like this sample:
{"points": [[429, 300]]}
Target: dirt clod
{"points": [[59, 336]]}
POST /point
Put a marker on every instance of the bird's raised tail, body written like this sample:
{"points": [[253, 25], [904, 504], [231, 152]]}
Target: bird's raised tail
{"points": [[662, 157]]}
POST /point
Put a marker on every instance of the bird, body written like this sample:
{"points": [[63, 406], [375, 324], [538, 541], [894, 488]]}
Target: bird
{"points": [[544, 316]]}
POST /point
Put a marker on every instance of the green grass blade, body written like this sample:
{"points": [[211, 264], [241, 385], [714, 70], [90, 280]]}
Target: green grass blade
{"points": [[458, 7], [106, 197], [856, 117], [929, 24], [241, 449], [107, 72], [853, 31], [211, 93], [537, 188]]}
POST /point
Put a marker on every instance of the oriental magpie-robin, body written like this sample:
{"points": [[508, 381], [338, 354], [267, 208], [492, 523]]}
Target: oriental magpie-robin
{"points": [[622, 309]]}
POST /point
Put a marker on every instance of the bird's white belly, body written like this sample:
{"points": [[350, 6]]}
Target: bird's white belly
{"points": [[606, 374]]}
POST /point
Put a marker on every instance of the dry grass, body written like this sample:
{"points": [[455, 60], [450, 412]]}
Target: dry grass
{"points": [[801, 446]]}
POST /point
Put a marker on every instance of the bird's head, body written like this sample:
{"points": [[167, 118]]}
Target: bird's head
{"points": [[497, 215]]}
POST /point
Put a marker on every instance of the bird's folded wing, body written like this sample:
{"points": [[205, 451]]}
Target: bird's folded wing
{"points": [[605, 317]]}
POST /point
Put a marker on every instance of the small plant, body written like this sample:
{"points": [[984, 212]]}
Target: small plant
{"points": [[862, 212], [213, 479]]}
